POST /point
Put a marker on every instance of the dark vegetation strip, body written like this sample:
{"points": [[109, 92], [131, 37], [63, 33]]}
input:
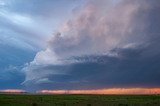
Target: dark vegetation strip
{"points": [[78, 100]]}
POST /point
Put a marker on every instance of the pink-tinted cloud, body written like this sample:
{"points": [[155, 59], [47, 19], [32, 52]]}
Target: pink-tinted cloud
{"points": [[114, 34], [12, 91], [95, 29]]}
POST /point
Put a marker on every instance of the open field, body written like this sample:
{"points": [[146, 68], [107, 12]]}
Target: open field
{"points": [[78, 100]]}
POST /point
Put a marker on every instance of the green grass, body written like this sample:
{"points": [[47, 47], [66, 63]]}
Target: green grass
{"points": [[78, 100]]}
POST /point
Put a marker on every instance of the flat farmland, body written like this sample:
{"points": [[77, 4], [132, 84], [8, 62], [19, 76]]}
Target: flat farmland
{"points": [[78, 100]]}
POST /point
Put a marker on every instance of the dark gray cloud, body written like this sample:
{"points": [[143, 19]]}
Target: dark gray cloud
{"points": [[120, 49], [131, 69]]}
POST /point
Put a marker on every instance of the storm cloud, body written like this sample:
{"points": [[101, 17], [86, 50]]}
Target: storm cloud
{"points": [[106, 44]]}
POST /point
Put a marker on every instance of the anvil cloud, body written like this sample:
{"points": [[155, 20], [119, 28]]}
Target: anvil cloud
{"points": [[106, 44]]}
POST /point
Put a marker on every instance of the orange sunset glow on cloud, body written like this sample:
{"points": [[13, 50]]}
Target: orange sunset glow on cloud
{"points": [[106, 91]]}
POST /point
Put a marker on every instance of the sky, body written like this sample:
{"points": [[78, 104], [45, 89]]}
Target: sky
{"points": [[83, 46]]}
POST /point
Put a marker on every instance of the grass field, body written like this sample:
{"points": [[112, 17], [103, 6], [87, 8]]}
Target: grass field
{"points": [[78, 100]]}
